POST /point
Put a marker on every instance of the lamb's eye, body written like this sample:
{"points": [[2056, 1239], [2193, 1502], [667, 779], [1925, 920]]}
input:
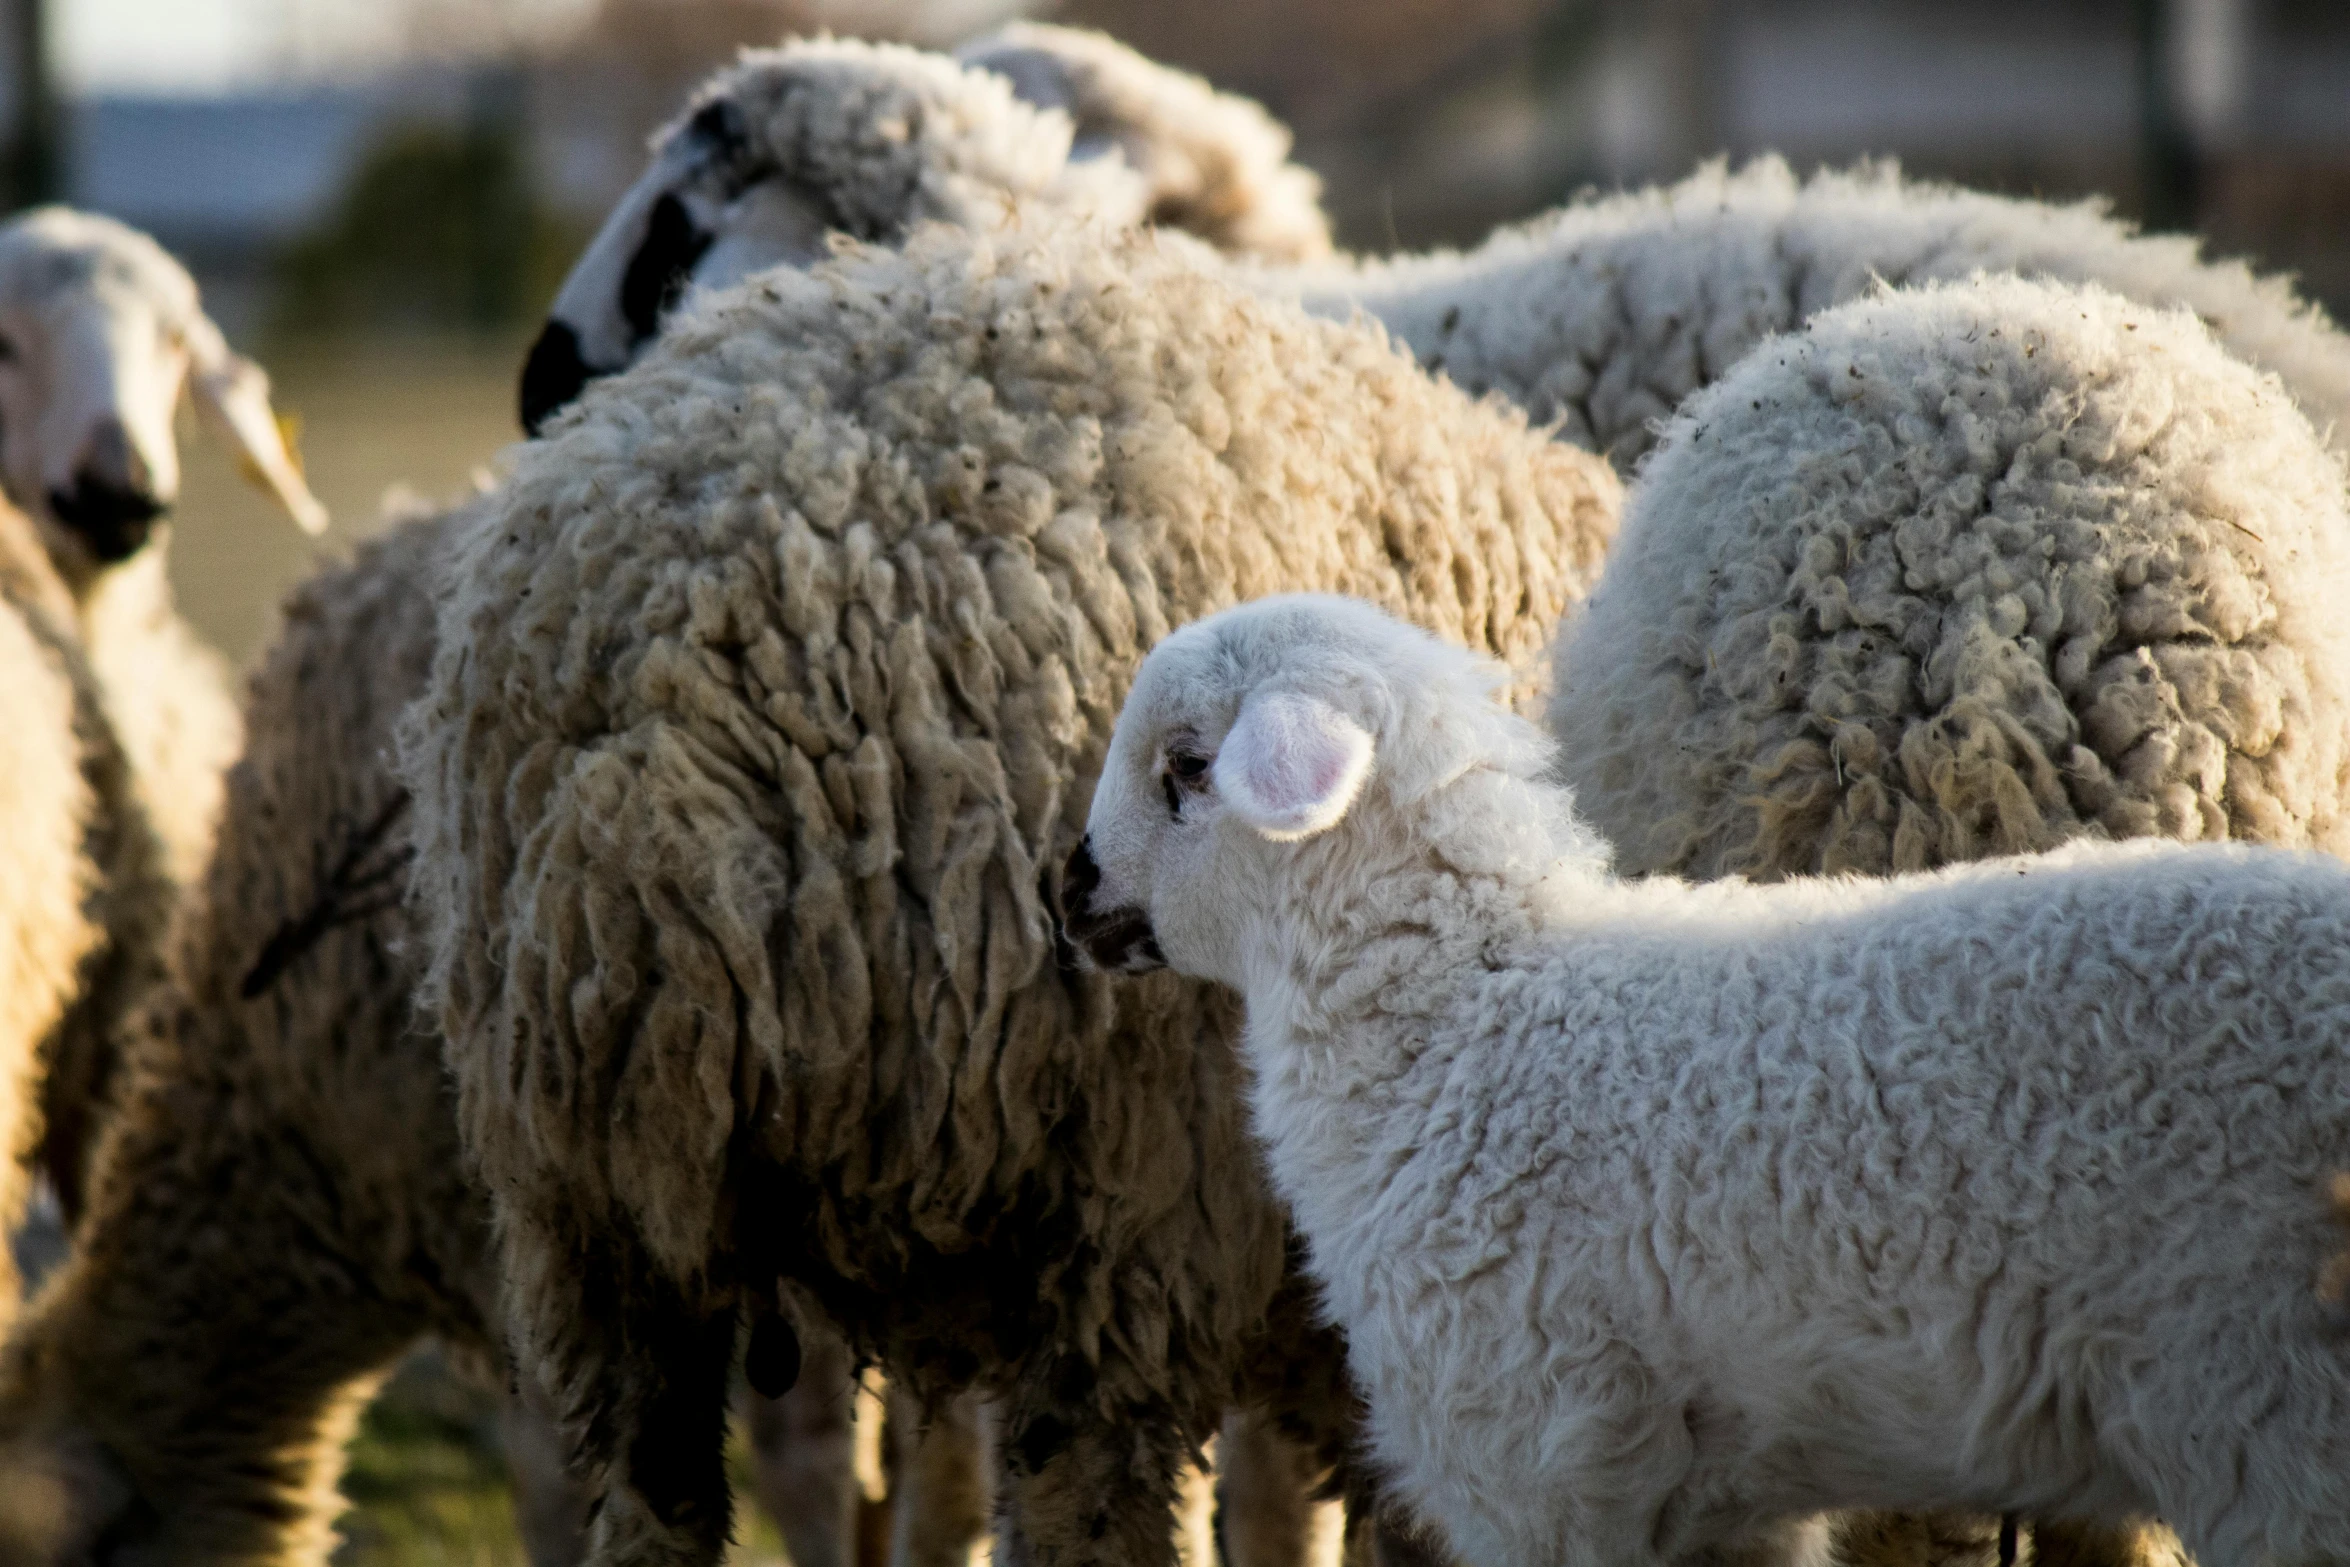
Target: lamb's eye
{"points": [[1187, 772], [8, 353]]}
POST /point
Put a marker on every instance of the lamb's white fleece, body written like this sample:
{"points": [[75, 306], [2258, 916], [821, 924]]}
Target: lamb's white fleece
{"points": [[1660, 1215]]}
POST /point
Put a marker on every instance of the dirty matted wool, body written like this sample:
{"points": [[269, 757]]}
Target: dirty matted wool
{"points": [[769, 695], [279, 1205], [1968, 570]]}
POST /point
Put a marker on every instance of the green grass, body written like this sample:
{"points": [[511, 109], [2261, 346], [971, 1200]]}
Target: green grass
{"points": [[427, 1481]]}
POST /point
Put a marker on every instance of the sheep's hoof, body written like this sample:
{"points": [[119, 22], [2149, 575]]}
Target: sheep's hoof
{"points": [[772, 1363]]}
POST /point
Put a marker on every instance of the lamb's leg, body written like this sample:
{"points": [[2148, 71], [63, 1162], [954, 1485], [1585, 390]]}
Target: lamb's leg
{"points": [[550, 1505], [1081, 1488], [803, 1455], [940, 1491]]}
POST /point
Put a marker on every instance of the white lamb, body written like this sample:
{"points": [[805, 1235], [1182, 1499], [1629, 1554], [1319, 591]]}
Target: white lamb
{"points": [[1661, 1216]]}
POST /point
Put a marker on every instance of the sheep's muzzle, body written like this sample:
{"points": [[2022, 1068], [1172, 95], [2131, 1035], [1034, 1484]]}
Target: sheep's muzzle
{"points": [[1119, 941], [113, 520]]}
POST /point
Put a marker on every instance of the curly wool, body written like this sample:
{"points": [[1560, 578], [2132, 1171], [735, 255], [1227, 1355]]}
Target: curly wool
{"points": [[1606, 314], [53, 911], [768, 690], [1215, 163], [1962, 571], [884, 137], [1660, 1213], [279, 1206]]}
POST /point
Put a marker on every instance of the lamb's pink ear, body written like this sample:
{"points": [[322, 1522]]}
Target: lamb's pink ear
{"points": [[1292, 765]]}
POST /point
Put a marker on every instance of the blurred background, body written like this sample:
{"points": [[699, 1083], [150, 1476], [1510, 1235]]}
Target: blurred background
{"points": [[379, 196]]}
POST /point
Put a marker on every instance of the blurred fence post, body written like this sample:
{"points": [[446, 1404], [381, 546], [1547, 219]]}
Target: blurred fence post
{"points": [[31, 158], [2193, 58]]}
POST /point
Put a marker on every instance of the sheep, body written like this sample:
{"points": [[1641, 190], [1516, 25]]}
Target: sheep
{"points": [[279, 1205], [1965, 570], [101, 333], [837, 114], [1603, 316], [765, 693], [1217, 164], [282, 1208], [1660, 1216], [1598, 318], [787, 146], [50, 920], [1805, 655]]}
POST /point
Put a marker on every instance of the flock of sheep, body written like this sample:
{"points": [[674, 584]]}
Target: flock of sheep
{"points": [[627, 934]]}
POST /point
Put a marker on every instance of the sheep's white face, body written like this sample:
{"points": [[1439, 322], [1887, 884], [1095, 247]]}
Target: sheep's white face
{"points": [[707, 213], [100, 337], [1243, 735], [89, 380]]}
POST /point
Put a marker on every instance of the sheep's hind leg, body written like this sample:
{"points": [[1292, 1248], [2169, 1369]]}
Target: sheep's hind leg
{"points": [[1081, 1488], [664, 1500], [803, 1454], [941, 1493], [1267, 1513], [550, 1506]]}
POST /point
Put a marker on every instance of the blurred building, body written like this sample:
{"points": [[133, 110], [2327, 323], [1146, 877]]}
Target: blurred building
{"points": [[1430, 119]]}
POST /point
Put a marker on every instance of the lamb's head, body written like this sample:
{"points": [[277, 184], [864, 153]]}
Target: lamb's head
{"points": [[1275, 757], [784, 149], [100, 336]]}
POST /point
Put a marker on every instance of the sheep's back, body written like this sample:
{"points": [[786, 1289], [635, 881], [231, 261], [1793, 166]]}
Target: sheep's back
{"points": [[1967, 571], [770, 695], [1605, 315]]}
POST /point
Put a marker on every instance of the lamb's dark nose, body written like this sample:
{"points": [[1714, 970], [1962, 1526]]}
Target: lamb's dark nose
{"points": [[112, 502], [1121, 940]]}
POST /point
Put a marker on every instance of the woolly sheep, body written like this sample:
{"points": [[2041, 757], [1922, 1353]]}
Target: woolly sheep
{"points": [[765, 695], [1216, 164], [100, 334], [283, 1209], [1601, 316], [787, 146], [1605, 314], [1962, 570], [51, 917], [1660, 1216], [279, 1205], [817, 136]]}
